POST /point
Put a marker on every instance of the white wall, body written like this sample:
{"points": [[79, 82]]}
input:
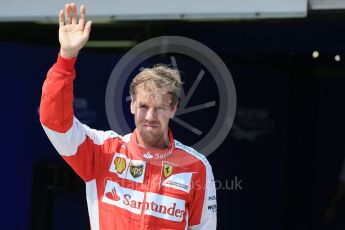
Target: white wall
{"points": [[327, 4], [21, 10]]}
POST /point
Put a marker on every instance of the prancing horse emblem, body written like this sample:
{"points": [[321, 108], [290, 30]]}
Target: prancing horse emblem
{"points": [[167, 169]]}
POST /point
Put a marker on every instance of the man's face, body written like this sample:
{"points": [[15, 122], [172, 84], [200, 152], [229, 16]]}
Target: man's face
{"points": [[152, 113]]}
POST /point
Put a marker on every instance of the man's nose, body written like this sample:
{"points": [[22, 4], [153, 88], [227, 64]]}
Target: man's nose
{"points": [[151, 114]]}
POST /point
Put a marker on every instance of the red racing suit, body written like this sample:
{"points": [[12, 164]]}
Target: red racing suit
{"points": [[127, 186]]}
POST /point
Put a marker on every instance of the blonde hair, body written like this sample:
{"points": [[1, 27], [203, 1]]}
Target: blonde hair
{"points": [[163, 78]]}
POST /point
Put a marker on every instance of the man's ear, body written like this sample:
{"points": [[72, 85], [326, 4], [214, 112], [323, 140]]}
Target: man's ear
{"points": [[132, 105]]}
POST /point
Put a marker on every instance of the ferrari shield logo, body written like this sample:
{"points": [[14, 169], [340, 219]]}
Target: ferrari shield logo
{"points": [[136, 169], [167, 168]]}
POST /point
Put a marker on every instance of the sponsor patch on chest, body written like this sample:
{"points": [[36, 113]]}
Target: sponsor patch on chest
{"points": [[133, 170], [180, 181], [153, 204], [175, 176]]}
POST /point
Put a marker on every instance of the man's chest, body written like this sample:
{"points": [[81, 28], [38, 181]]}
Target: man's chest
{"points": [[160, 186]]}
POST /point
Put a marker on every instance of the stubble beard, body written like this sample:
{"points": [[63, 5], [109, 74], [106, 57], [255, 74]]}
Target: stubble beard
{"points": [[154, 138]]}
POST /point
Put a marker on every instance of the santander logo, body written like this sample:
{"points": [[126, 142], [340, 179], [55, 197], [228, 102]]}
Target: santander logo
{"points": [[112, 195], [157, 205], [148, 155], [153, 207]]}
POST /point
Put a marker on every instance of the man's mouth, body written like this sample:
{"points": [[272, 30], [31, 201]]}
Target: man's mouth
{"points": [[151, 126]]}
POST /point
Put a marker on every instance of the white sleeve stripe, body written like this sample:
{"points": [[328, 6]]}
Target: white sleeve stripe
{"points": [[208, 219], [92, 204], [191, 151], [67, 143], [209, 216]]}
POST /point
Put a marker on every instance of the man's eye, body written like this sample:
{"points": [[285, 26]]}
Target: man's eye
{"points": [[142, 106]]}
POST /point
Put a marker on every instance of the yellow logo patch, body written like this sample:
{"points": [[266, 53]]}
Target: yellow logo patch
{"points": [[136, 169], [167, 168], [120, 164]]}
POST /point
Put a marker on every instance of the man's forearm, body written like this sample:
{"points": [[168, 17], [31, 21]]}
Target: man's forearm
{"points": [[56, 108]]}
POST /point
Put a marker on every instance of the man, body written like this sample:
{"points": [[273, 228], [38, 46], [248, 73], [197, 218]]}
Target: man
{"points": [[144, 180]]}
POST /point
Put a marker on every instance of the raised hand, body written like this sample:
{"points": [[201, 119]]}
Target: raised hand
{"points": [[73, 33]]}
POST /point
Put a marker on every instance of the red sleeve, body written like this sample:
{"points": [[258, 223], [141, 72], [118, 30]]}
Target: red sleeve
{"points": [[81, 147], [56, 109], [202, 211]]}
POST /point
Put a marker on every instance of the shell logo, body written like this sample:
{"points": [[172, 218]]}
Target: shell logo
{"points": [[120, 164]]}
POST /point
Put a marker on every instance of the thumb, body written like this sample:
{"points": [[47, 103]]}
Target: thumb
{"points": [[87, 28]]}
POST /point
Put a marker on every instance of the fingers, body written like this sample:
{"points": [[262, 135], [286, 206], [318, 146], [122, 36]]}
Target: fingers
{"points": [[74, 18], [68, 13], [61, 18], [82, 15], [87, 29]]}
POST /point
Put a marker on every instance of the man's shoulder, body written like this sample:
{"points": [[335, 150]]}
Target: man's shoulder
{"points": [[191, 151], [126, 138], [102, 136]]}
